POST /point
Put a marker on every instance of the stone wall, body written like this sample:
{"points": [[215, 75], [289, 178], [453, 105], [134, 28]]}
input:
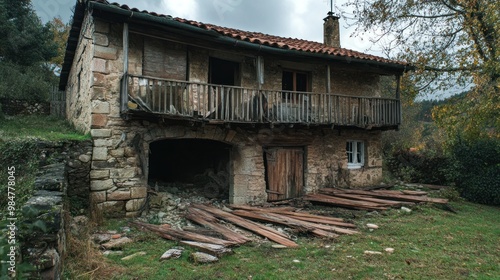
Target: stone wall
{"points": [[77, 157], [45, 249], [79, 90], [13, 107]]}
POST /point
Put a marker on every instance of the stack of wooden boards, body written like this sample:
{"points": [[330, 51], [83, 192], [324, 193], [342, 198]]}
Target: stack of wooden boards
{"points": [[244, 217], [370, 200]]}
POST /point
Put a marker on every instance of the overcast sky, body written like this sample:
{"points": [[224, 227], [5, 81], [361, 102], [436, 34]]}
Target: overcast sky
{"points": [[301, 19]]}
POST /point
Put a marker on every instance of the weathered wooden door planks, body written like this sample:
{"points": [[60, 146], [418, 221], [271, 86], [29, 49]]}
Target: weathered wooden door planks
{"points": [[285, 172]]}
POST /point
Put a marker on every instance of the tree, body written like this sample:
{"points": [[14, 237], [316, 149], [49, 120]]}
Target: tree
{"points": [[453, 44], [25, 48], [23, 39], [60, 33]]}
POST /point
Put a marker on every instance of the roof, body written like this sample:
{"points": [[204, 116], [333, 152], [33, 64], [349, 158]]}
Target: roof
{"points": [[301, 46]]}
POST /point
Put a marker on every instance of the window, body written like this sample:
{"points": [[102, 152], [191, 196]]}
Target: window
{"points": [[355, 154], [294, 81]]}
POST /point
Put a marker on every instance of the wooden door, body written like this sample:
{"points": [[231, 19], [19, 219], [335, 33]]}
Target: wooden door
{"points": [[285, 173]]}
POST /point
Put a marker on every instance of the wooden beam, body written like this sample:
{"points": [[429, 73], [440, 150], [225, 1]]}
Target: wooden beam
{"points": [[259, 229], [124, 88], [174, 234]]}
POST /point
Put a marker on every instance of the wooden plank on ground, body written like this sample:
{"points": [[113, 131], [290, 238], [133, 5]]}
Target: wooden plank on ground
{"points": [[371, 199], [309, 215], [266, 217], [259, 229], [344, 202], [319, 220], [173, 234], [318, 226], [205, 219], [414, 192], [404, 197], [291, 222], [267, 209]]}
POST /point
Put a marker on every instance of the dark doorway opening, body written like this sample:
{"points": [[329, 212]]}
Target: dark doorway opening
{"points": [[199, 164]]}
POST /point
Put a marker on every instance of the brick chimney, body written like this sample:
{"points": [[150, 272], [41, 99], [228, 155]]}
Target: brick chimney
{"points": [[331, 31]]}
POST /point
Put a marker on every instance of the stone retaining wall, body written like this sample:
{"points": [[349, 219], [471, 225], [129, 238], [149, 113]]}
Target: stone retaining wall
{"points": [[13, 107], [45, 249]]}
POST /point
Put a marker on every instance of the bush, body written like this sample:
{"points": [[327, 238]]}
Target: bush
{"points": [[24, 156], [477, 175], [31, 83], [425, 166]]}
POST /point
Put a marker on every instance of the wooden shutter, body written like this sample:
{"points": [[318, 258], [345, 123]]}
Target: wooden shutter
{"points": [[164, 59]]}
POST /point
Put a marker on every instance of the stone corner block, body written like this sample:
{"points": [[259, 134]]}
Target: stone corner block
{"points": [[100, 153], [100, 133], [100, 107], [138, 192]]}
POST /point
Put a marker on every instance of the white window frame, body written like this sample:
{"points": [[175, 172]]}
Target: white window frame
{"points": [[355, 151]]}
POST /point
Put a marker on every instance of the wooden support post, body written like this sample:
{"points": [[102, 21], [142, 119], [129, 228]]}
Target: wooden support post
{"points": [[328, 91], [124, 89], [398, 107]]}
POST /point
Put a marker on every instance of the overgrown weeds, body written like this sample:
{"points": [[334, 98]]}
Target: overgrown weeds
{"points": [[84, 260]]}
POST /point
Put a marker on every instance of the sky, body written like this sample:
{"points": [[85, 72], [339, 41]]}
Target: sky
{"points": [[301, 19]]}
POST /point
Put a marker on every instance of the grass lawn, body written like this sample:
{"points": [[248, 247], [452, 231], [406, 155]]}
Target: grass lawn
{"points": [[38, 126], [429, 243]]}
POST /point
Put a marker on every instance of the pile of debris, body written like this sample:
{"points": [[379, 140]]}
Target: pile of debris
{"points": [[219, 227], [217, 222], [372, 199]]}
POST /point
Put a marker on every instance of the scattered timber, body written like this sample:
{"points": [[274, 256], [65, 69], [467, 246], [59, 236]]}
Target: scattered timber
{"points": [[174, 234], [259, 229], [207, 220], [347, 203], [383, 194]]}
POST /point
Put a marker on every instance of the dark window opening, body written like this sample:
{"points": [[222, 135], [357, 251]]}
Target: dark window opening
{"points": [[223, 72], [191, 164], [294, 81]]}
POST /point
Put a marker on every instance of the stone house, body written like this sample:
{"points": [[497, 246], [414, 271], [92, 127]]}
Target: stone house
{"points": [[169, 101]]}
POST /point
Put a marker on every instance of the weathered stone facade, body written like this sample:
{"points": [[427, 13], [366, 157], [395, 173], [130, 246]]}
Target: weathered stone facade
{"points": [[120, 156]]}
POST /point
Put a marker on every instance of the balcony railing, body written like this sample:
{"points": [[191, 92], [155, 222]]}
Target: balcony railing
{"points": [[231, 104]]}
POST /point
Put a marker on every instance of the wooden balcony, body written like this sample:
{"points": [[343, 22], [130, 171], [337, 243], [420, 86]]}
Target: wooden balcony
{"points": [[231, 104]]}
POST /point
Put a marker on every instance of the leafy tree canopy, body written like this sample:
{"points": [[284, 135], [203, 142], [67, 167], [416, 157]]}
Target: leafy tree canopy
{"points": [[452, 43], [23, 39]]}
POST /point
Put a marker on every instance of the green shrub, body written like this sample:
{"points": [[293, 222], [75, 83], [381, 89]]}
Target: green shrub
{"points": [[423, 166], [477, 173], [24, 156], [32, 83]]}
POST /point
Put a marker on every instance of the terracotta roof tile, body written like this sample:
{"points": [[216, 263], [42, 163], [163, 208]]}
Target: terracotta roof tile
{"points": [[269, 40]]}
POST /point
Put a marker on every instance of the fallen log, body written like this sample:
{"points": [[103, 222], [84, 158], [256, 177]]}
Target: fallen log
{"points": [[174, 234], [207, 220], [259, 229], [344, 202], [212, 249]]}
